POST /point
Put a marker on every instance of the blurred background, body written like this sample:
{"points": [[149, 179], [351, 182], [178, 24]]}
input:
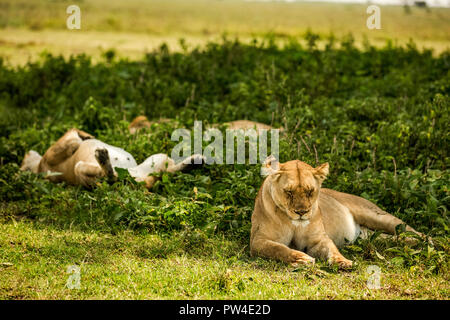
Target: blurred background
{"points": [[133, 27]]}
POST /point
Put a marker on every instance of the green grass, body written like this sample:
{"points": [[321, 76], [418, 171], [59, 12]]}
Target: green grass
{"points": [[134, 27], [129, 265], [379, 116]]}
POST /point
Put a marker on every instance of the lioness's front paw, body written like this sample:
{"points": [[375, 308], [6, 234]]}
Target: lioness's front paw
{"points": [[342, 262], [298, 257]]}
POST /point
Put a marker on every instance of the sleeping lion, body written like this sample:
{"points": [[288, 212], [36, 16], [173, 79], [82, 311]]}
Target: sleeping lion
{"points": [[296, 221], [142, 122], [79, 159]]}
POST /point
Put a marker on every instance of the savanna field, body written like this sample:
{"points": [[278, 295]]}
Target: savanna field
{"points": [[378, 114]]}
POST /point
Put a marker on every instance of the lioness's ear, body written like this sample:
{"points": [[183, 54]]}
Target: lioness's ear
{"points": [[321, 171], [270, 166]]}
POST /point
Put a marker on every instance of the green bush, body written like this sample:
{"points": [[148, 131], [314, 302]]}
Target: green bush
{"points": [[378, 116]]}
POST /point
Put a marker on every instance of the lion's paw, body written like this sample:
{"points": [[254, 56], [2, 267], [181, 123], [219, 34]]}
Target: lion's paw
{"points": [[297, 257], [342, 262]]}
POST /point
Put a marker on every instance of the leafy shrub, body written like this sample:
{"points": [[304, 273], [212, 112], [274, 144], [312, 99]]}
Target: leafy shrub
{"points": [[378, 116]]}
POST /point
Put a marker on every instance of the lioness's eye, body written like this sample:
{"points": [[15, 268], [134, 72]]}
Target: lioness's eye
{"points": [[309, 193]]}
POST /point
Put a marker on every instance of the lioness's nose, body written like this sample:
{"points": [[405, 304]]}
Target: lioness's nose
{"points": [[301, 211]]}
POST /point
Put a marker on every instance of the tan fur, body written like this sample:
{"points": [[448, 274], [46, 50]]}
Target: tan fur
{"points": [[79, 159], [141, 122], [296, 221], [247, 125], [76, 165]]}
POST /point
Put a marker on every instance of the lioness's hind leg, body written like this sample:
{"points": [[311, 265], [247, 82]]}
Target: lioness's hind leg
{"points": [[104, 161], [65, 147], [84, 135], [368, 214], [377, 219]]}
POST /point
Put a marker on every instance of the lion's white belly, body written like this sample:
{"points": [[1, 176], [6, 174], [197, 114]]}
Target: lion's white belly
{"points": [[155, 163], [338, 221], [119, 157], [348, 231]]}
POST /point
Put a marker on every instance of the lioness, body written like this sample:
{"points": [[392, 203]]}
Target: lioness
{"points": [[141, 122], [79, 159], [293, 211]]}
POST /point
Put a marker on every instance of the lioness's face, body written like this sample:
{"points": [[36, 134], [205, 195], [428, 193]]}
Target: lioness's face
{"points": [[295, 187]]}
